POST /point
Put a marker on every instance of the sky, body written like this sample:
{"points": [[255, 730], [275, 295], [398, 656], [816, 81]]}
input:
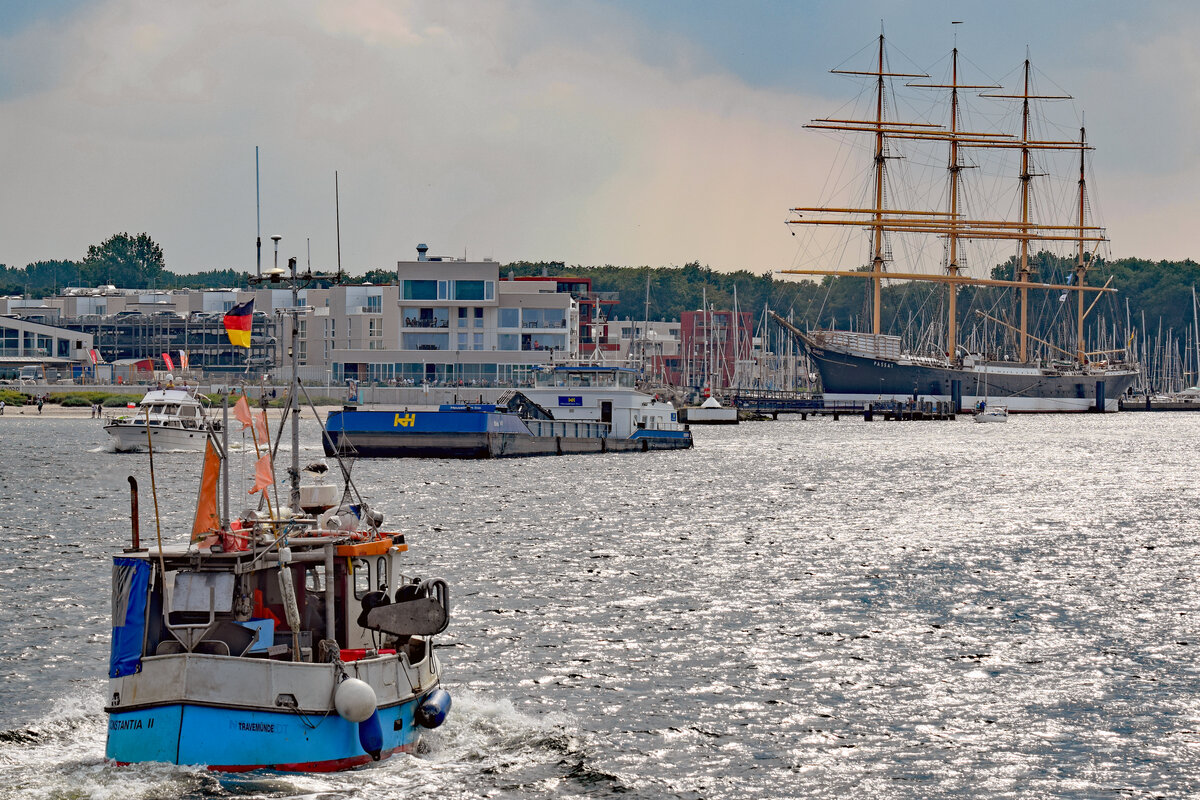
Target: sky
{"points": [[626, 132]]}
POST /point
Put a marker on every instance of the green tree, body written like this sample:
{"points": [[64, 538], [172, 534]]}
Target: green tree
{"points": [[125, 261]]}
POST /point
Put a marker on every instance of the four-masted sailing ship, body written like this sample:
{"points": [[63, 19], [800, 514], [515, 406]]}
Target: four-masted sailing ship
{"points": [[1035, 375]]}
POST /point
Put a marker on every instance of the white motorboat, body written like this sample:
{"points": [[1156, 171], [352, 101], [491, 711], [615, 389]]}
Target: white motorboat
{"points": [[175, 418]]}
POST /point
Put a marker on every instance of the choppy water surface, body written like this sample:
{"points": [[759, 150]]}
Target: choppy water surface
{"points": [[792, 609]]}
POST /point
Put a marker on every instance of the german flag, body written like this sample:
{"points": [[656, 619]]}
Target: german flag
{"points": [[237, 323]]}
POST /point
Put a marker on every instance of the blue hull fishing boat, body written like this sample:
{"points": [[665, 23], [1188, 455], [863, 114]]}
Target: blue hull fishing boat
{"points": [[286, 638], [567, 410]]}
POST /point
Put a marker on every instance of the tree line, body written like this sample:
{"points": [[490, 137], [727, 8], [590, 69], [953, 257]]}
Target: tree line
{"points": [[1159, 289]]}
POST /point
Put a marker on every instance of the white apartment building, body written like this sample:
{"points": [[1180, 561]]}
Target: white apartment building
{"points": [[444, 322]]}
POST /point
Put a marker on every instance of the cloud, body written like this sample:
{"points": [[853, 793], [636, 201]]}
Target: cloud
{"points": [[512, 129], [490, 126]]}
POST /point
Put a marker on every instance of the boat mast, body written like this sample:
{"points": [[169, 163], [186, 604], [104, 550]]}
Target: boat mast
{"points": [[877, 228], [294, 390], [952, 263], [1023, 274], [1081, 256]]}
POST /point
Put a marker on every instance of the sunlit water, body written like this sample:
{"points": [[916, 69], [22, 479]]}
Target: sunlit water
{"points": [[791, 609]]}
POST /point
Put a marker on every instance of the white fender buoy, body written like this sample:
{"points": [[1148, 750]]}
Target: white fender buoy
{"points": [[355, 700]]}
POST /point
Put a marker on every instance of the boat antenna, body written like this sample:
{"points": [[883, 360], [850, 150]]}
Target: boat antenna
{"points": [[337, 211], [258, 215], [293, 390]]}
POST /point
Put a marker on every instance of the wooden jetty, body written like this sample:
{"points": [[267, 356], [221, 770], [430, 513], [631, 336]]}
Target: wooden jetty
{"points": [[1145, 403]]}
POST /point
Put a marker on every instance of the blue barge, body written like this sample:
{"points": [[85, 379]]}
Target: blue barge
{"points": [[567, 410]]}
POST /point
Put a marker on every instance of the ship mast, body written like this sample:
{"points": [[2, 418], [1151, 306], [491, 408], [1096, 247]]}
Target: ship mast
{"points": [[1081, 262], [1025, 177], [877, 229], [950, 224], [881, 128], [953, 223]]}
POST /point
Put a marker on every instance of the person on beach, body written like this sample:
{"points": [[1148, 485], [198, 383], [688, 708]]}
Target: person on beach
{"points": [[41, 399], [1, 408]]}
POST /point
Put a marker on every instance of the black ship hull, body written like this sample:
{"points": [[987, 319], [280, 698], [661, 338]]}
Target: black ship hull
{"points": [[849, 377]]}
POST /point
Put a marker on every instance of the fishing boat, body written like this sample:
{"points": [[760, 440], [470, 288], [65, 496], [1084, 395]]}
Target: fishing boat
{"points": [[173, 419], [581, 409], [286, 639], [919, 214]]}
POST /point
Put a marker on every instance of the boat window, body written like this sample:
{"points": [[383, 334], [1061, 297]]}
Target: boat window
{"points": [[628, 380], [362, 578], [314, 578], [381, 572]]}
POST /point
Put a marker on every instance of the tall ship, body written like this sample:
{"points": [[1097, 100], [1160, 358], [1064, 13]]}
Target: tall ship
{"points": [[941, 189]]}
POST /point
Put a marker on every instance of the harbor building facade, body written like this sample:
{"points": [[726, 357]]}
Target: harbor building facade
{"points": [[25, 343], [446, 321]]}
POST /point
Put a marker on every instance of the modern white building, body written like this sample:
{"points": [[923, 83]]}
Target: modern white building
{"points": [[445, 321], [32, 344]]}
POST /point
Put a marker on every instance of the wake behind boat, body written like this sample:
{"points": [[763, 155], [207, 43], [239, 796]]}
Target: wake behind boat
{"points": [[176, 419]]}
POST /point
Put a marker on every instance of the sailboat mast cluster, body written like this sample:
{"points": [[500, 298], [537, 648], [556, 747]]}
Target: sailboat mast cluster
{"points": [[952, 223]]}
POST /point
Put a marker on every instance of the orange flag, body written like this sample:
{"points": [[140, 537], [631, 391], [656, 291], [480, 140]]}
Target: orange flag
{"points": [[264, 474], [207, 519], [241, 410], [260, 428]]}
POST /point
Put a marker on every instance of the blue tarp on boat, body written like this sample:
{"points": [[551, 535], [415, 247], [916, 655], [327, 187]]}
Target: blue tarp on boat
{"points": [[131, 578]]}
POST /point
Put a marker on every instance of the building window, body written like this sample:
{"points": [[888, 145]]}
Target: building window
{"points": [[478, 342], [509, 318], [374, 304], [508, 341], [468, 290], [543, 341], [426, 317], [462, 341], [478, 317], [420, 290], [425, 341], [462, 317], [543, 318]]}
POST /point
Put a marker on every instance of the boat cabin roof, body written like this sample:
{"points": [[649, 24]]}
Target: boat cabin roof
{"points": [[588, 376]]}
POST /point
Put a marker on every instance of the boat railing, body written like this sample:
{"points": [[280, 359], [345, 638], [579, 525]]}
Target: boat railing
{"points": [[571, 430]]}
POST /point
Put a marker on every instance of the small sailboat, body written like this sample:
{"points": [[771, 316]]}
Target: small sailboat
{"points": [[986, 413], [285, 639]]}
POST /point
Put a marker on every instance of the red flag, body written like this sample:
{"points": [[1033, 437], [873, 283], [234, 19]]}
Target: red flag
{"points": [[167, 360], [94, 356], [264, 474], [241, 412], [260, 428]]}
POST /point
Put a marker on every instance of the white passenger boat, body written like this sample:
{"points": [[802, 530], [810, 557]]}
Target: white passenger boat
{"points": [[175, 418]]}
